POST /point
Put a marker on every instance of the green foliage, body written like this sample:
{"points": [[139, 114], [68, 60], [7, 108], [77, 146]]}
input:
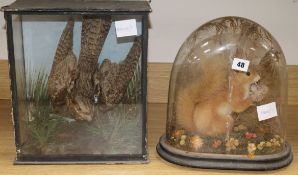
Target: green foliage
{"points": [[134, 89], [42, 133], [39, 125], [37, 85]]}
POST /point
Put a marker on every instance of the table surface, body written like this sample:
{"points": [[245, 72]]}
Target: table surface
{"points": [[157, 166]]}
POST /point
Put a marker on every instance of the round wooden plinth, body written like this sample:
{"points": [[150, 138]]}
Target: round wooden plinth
{"points": [[223, 161]]}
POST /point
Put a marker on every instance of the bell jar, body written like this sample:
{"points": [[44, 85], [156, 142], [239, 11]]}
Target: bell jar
{"points": [[227, 99]]}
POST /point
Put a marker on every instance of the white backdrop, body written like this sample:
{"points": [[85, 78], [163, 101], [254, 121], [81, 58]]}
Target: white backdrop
{"points": [[173, 20]]}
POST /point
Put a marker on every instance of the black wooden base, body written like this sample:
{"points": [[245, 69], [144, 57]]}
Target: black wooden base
{"points": [[80, 159], [224, 161]]}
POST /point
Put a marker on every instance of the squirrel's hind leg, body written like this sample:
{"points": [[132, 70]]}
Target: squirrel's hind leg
{"points": [[208, 122]]}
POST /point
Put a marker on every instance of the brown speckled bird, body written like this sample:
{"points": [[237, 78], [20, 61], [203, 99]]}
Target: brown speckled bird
{"points": [[76, 83], [112, 79], [63, 67], [94, 33]]}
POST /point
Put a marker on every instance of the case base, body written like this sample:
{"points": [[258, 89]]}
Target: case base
{"points": [[78, 160], [224, 161]]}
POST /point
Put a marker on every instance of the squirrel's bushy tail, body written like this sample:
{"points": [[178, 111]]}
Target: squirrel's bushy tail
{"points": [[212, 78]]}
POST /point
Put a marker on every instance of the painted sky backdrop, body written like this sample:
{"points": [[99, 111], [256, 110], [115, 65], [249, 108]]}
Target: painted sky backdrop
{"points": [[42, 33]]}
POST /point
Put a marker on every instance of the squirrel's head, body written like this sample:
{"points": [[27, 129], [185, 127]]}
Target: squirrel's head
{"points": [[248, 77]]}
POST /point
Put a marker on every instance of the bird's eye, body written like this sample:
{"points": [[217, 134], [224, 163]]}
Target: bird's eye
{"points": [[248, 73]]}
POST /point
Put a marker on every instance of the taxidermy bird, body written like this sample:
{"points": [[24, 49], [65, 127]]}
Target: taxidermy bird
{"points": [[76, 83], [112, 79], [94, 33], [63, 68]]}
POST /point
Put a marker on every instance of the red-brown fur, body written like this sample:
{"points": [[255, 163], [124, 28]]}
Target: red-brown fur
{"points": [[205, 106]]}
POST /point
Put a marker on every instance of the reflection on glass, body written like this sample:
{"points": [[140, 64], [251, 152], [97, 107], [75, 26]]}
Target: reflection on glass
{"points": [[79, 86], [212, 107]]}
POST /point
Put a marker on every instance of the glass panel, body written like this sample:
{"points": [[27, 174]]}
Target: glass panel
{"points": [[79, 85], [20, 75]]}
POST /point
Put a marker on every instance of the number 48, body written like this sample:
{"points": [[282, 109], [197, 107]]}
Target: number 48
{"points": [[241, 64]]}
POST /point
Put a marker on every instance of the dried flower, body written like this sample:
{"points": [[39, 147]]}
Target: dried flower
{"points": [[196, 142], [251, 148], [240, 127], [232, 144], [268, 144], [183, 137], [275, 142], [261, 145], [236, 129], [177, 134], [250, 135], [216, 143], [182, 142]]}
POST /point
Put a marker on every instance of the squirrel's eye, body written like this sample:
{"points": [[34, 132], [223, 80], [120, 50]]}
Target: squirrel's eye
{"points": [[248, 73]]}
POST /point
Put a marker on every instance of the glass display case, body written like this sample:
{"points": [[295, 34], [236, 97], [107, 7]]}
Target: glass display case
{"points": [[78, 80], [228, 99]]}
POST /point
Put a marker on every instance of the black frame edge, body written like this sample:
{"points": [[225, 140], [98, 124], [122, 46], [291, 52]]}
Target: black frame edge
{"points": [[80, 159]]}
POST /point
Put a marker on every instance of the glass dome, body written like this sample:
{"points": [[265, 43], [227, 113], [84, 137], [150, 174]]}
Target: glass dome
{"points": [[227, 99]]}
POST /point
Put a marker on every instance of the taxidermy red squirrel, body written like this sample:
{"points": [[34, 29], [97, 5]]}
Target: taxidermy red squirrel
{"points": [[205, 105]]}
